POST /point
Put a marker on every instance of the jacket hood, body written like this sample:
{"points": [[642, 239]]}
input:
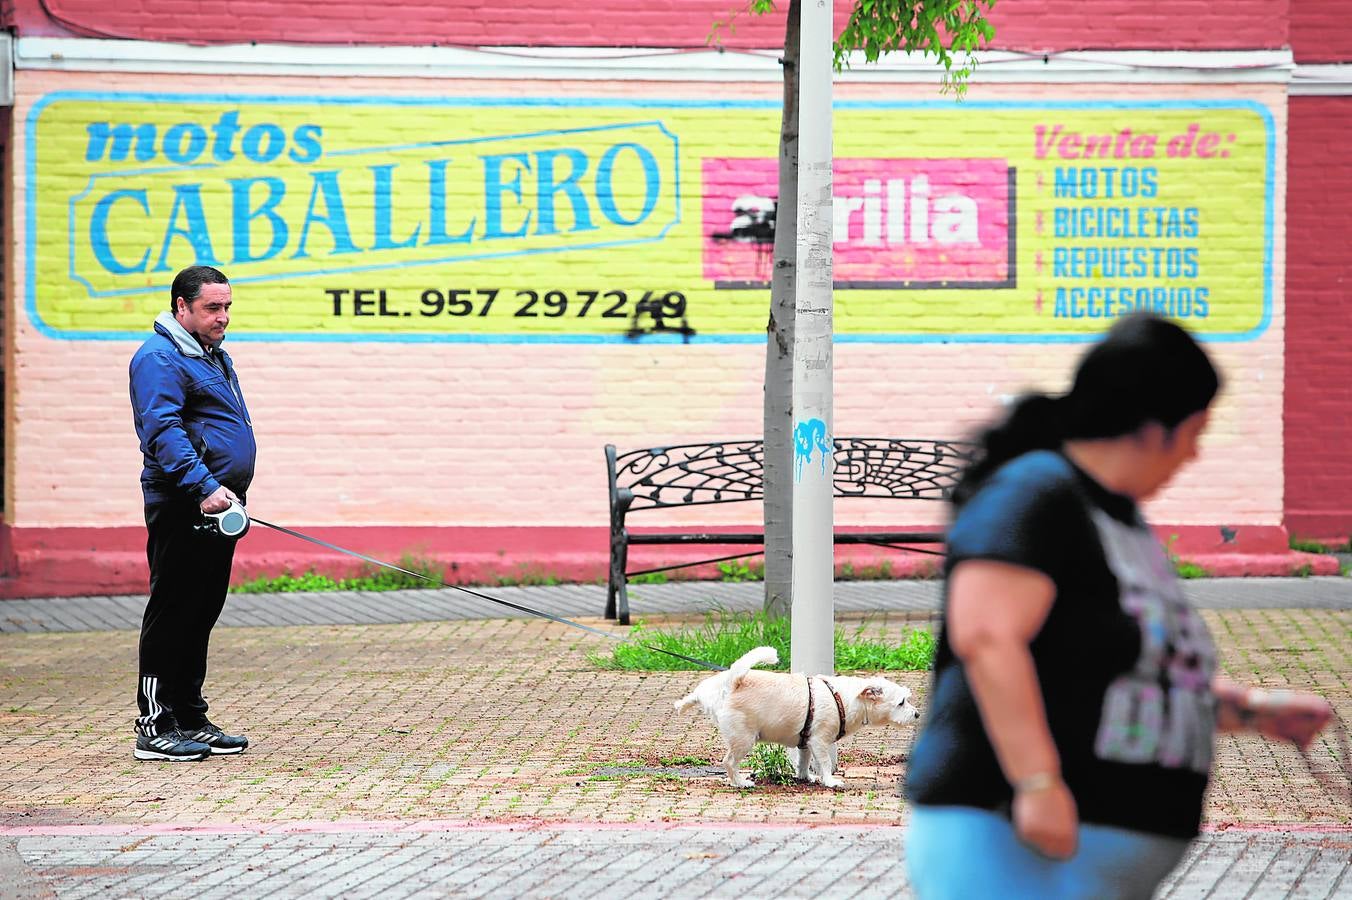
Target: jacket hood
{"points": [[167, 325]]}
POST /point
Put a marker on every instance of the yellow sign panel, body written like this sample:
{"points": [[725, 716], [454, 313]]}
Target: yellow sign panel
{"points": [[354, 218]]}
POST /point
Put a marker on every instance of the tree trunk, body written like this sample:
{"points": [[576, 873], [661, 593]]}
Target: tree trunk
{"points": [[778, 411]]}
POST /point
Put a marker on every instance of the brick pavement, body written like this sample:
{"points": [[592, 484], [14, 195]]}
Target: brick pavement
{"points": [[551, 860], [507, 721]]}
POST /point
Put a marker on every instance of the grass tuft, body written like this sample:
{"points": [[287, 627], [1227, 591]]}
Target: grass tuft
{"points": [[369, 578], [1183, 568], [740, 570], [1308, 546], [724, 636], [769, 764]]}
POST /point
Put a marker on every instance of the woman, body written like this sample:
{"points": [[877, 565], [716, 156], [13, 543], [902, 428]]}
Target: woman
{"points": [[1069, 729]]}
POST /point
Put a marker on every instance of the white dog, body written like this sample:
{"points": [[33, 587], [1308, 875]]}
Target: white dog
{"points": [[794, 711]]}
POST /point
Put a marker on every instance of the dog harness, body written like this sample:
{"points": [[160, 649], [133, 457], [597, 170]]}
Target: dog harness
{"points": [[807, 722]]}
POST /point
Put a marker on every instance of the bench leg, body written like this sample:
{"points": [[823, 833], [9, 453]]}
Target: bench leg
{"points": [[623, 611], [617, 596], [617, 585]]}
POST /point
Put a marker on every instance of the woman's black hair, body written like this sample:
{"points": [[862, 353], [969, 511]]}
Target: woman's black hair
{"points": [[1145, 369]]}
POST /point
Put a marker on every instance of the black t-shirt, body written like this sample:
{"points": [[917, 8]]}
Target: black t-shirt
{"points": [[1123, 661]]}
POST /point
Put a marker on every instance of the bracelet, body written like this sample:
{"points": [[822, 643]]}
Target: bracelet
{"points": [[1252, 702], [1256, 702], [1039, 781]]}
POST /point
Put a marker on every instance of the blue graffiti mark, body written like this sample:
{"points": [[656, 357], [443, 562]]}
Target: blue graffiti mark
{"points": [[809, 435]]}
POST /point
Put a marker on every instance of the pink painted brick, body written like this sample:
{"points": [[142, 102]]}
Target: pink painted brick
{"points": [[1028, 25]]}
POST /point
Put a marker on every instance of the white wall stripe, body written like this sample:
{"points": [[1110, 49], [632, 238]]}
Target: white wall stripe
{"points": [[619, 64], [1326, 80]]}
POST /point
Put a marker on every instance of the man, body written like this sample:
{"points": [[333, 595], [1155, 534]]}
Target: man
{"points": [[199, 453]]}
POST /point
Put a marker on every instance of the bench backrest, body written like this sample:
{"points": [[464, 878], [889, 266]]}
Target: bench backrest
{"points": [[731, 471]]}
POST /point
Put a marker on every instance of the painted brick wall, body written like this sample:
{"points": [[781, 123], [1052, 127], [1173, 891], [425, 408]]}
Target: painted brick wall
{"points": [[1319, 318], [494, 437], [1320, 31], [1036, 25]]}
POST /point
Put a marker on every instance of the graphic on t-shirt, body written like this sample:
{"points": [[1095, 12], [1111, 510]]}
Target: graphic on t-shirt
{"points": [[1162, 711]]}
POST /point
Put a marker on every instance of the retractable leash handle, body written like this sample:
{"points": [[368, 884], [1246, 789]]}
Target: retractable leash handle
{"points": [[231, 522]]}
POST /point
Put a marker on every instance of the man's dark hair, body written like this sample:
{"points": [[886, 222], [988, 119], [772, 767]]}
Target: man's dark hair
{"points": [[188, 284]]}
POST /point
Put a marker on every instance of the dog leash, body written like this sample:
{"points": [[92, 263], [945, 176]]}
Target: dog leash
{"points": [[1340, 733], [516, 606]]}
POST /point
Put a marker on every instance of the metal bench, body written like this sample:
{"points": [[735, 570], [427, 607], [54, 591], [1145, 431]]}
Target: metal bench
{"points": [[731, 472]]}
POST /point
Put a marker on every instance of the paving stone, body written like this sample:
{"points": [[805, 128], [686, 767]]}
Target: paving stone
{"points": [[702, 861], [470, 754]]}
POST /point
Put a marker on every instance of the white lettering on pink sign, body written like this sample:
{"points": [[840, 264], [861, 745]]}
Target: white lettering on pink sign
{"points": [[898, 223]]}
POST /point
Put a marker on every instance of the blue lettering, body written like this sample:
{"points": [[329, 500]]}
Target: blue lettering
{"points": [[188, 199], [1149, 181], [334, 218], [1059, 258], [121, 135], [98, 232], [436, 226], [307, 149], [384, 211], [196, 137], [243, 216], [548, 186], [1114, 215], [1093, 296], [1064, 182], [225, 129], [254, 145], [605, 190], [494, 187]]}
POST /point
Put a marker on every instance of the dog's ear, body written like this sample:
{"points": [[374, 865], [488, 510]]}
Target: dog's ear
{"points": [[872, 692]]}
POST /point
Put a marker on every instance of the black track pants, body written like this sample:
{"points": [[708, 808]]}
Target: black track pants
{"points": [[189, 576]]}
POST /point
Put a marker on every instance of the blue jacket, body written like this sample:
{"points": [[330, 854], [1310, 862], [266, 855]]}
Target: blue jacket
{"points": [[190, 416]]}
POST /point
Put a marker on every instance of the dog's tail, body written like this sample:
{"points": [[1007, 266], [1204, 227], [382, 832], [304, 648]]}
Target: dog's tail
{"points": [[711, 690], [760, 656]]}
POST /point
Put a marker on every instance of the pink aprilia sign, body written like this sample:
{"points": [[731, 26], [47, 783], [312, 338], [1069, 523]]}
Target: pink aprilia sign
{"points": [[899, 223]]}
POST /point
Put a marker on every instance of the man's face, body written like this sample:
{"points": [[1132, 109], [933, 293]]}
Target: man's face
{"points": [[206, 317]]}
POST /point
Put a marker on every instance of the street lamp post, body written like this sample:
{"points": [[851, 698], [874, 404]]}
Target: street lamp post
{"points": [[813, 632]]}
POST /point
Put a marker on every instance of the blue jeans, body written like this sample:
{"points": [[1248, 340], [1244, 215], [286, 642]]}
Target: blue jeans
{"points": [[964, 852]]}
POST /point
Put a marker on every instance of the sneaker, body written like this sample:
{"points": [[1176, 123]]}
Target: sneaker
{"points": [[218, 741], [172, 745]]}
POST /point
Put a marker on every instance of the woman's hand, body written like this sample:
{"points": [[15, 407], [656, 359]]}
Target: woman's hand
{"points": [[1286, 715], [1045, 818]]}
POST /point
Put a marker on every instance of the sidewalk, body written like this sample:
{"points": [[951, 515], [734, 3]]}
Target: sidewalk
{"points": [[397, 749], [589, 600]]}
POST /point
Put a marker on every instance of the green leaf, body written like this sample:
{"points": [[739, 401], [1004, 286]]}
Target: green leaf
{"points": [[939, 27]]}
